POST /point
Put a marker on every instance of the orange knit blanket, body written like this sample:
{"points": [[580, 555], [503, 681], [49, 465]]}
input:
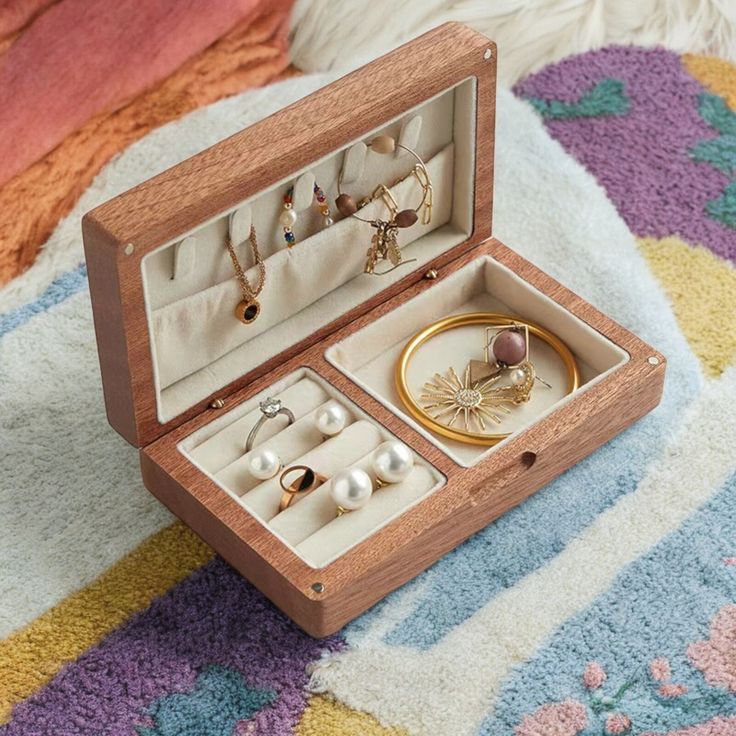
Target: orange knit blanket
{"points": [[65, 116]]}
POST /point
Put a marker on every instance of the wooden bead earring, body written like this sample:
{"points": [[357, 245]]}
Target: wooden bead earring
{"points": [[385, 144], [384, 244], [506, 348]]}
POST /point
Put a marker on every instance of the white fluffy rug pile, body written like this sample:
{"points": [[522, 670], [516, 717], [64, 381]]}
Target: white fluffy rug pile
{"points": [[327, 34]]}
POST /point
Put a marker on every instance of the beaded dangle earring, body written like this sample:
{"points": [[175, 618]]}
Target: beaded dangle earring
{"points": [[506, 349], [288, 217]]}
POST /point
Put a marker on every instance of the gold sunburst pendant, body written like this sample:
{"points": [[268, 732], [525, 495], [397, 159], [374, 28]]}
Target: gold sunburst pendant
{"points": [[448, 398]]}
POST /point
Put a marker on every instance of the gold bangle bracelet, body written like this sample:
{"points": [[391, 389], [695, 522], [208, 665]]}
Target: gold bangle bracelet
{"points": [[465, 320]]}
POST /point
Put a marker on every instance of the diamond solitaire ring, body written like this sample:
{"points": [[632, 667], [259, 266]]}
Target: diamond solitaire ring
{"points": [[270, 409]]}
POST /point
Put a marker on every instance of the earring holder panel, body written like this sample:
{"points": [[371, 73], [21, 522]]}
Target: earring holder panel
{"points": [[201, 327], [323, 600], [203, 190]]}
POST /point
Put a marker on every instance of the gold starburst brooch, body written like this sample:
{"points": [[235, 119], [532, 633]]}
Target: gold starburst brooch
{"points": [[448, 396]]}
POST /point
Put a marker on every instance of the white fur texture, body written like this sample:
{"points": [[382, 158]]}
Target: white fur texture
{"points": [[327, 34]]}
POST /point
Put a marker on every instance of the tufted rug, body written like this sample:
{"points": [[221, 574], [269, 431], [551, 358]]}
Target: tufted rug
{"points": [[605, 604]]}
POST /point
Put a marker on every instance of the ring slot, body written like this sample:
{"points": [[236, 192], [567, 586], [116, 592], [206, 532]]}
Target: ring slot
{"points": [[327, 458], [340, 532], [289, 444], [225, 446], [314, 511]]}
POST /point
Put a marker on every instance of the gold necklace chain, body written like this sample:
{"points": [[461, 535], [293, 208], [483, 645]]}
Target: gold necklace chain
{"points": [[249, 292]]}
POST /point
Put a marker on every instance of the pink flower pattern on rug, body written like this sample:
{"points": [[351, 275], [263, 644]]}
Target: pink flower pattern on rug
{"points": [[671, 690], [718, 726], [567, 718], [618, 723], [594, 676], [660, 669], [716, 657]]}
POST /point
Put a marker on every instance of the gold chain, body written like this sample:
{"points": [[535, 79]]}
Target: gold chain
{"points": [[249, 293]]}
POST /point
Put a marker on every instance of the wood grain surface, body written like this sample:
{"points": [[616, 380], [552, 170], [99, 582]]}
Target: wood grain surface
{"points": [[471, 498], [118, 234]]}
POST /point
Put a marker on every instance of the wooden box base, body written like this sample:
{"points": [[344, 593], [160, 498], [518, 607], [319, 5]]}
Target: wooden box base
{"points": [[323, 600]]}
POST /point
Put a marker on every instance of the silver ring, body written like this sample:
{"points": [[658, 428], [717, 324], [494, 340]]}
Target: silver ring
{"points": [[270, 409]]}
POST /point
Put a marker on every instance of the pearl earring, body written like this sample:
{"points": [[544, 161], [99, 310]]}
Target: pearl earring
{"points": [[392, 462], [288, 217], [331, 419], [264, 463], [352, 488]]}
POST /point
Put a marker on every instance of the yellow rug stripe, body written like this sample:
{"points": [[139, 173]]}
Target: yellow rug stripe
{"points": [[30, 657], [717, 75], [325, 717], [702, 288]]}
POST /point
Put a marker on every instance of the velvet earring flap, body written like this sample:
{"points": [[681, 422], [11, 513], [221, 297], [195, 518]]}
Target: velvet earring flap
{"points": [[193, 333]]}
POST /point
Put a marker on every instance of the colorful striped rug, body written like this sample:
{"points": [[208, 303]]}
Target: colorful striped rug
{"points": [[606, 604]]}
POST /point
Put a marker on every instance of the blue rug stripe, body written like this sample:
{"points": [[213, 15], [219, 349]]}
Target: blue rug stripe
{"points": [[58, 291], [528, 536], [656, 607]]}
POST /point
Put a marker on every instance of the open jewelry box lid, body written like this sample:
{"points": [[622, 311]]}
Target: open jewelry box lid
{"points": [[123, 236]]}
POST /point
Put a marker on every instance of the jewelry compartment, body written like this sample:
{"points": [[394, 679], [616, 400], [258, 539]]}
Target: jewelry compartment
{"points": [[369, 356], [198, 345], [324, 570], [310, 527]]}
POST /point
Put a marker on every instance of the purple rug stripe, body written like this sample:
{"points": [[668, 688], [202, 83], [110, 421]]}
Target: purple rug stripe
{"points": [[643, 158], [214, 617]]}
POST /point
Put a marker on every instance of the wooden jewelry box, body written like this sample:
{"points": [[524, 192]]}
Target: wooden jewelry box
{"points": [[183, 377]]}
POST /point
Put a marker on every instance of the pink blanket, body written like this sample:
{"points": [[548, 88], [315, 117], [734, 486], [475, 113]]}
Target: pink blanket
{"points": [[85, 57]]}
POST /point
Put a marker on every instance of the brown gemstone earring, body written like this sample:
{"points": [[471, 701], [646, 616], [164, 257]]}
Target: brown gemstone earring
{"points": [[506, 348]]}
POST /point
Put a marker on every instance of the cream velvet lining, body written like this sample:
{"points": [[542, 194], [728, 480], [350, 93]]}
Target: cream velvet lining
{"points": [[309, 526], [295, 278], [197, 344], [369, 356]]}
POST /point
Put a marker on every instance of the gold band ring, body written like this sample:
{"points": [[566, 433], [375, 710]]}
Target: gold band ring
{"points": [[307, 481]]}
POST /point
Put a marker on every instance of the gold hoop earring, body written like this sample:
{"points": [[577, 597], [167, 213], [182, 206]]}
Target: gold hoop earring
{"points": [[466, 396]]}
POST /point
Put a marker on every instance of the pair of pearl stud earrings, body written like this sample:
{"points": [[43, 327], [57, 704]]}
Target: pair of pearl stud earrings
{"points": [[352, 488], [330, 420]]}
